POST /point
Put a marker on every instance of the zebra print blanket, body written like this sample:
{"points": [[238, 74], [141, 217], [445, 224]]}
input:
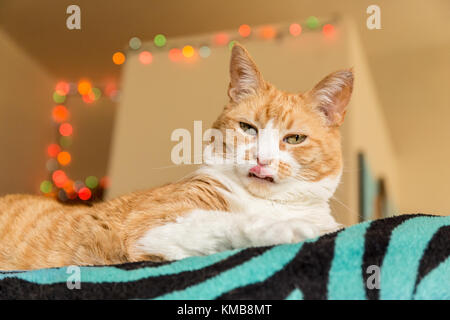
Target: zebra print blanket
{"points": [[403, 257]]}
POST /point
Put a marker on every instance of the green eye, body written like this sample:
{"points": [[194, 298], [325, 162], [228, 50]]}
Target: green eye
{"points": [[295, 139], [249, 129]]}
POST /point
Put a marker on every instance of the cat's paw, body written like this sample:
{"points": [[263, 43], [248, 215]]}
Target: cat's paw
{"points": [[289, 231]]}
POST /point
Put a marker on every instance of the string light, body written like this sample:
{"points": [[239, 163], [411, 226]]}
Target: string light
{"points": [[62, 88], [268, 32], [96, 93], [46, 186], [160, 40], [245, 30], [145, 57], [66, 189], [312, 22], [328, 30], [135, 43], [295, 29], [65, 129], [221, 39], [59, 178], [188, 51], [118, 58], [65, 142], [84, 194], [175, 54], [84, 87], [58, 98], [204, 52], [64, 158], [105, 182], [91, 182], [53, 150], [51, 165], [60, 114]]}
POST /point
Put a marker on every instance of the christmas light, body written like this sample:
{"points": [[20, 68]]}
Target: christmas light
{"points": [[59, 178], [64, 158], [60, 113], [221, 39], [96, 93], [160, 40], [268, 32], [46, 186], [105, 182], [62, 88], [118, 58], [135, 43], [175, 54], [312, 22], [91, 182], [328, 30], [65, 142], [84, 87], [245, 30], [51, 165], [204, 52], [58, 98], [295, 29], [84, 194], [65, 129], [53, 150], [188, 51], [145, 57]]}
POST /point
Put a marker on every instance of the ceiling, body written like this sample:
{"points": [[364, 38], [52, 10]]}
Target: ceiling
{"points": [[39, 27]]}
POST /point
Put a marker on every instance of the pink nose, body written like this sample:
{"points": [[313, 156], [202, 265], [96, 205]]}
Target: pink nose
{"points": [[261, 171]]}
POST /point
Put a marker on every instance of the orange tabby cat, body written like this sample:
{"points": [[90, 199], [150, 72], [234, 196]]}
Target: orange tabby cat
{"points": [[276, 189]]}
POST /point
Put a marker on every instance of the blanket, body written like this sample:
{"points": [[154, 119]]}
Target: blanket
{"points": [[402, 257]]}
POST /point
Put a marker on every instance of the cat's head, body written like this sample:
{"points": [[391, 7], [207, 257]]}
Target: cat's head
{"points": [[284, 146]]}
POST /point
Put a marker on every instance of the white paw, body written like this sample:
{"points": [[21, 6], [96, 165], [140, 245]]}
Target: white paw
{"points": [[289, 231]]}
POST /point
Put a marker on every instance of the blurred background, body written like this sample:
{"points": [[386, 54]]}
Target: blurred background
{"points": [[87, 114]]}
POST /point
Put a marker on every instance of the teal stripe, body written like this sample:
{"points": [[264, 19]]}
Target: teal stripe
{"points": [[296, 294], [436, 284], [255, 270], [345, 277], [406, 247], [112, 274]]}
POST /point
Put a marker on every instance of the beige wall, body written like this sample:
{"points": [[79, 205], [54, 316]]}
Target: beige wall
{"points": [[414, 88], [365, 130], [25, 122], [163, 96]]}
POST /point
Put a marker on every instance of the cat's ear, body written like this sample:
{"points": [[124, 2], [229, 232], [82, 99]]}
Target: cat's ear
{"points": [[332, 94], [245, 79]]}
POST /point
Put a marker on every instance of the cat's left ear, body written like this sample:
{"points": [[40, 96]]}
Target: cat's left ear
{"points": [[245, 78], [332, 94]]}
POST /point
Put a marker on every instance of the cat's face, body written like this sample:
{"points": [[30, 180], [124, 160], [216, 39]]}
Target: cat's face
{"points": [[283, 145]]}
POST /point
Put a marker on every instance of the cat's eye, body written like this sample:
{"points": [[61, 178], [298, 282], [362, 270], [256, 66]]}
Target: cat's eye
{"points": [[295, 138], [249, 129]]}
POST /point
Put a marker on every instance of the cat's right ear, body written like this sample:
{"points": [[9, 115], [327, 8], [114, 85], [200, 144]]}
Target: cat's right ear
{"points": [[245, 78]]}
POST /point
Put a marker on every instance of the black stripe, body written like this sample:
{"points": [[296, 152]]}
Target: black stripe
{"points": [[147, 288], [376, 242], [308, 271], [437, 251], [139, 265]]}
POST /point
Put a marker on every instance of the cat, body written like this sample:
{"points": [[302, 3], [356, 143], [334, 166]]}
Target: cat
{"points": [[289, 166]]}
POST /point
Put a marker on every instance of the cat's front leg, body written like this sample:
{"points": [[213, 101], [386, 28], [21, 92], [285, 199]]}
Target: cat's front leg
{"points": [[203, 232], [199, 232]]}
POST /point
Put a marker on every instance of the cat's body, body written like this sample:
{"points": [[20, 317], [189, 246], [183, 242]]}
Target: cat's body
{"points": [[290, 165]]}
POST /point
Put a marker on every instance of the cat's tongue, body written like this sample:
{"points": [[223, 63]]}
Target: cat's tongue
{"points": [[261, 172]]}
